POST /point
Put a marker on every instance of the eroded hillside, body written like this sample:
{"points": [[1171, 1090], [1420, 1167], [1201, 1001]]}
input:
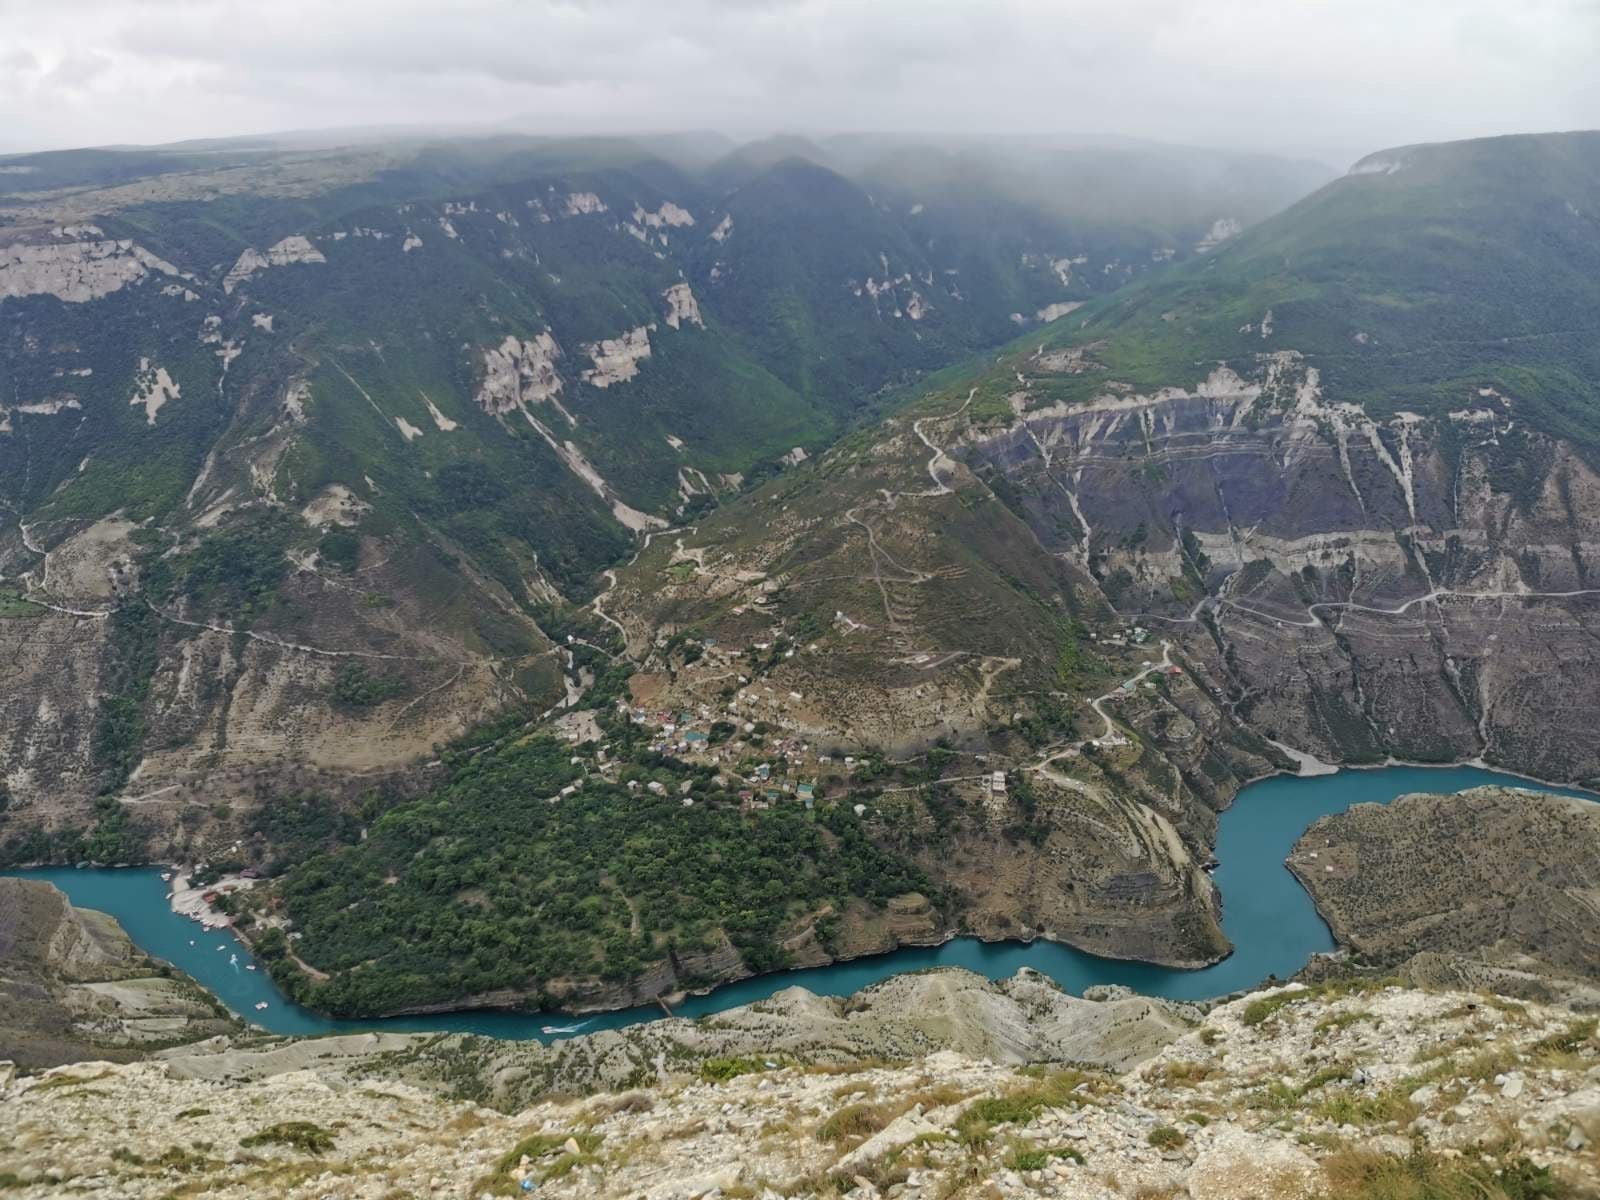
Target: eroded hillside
{"points": [[304, 450], [1218, 523]]}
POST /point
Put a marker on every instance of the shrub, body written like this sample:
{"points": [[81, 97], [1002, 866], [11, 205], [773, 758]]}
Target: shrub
{"points": [[1166, 1137], [304, 1136], [854, 1120], [720, 1070], [353, 686], [1262, 1010]]}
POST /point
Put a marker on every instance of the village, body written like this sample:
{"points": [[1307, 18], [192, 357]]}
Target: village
{"points": [[751, 735]]}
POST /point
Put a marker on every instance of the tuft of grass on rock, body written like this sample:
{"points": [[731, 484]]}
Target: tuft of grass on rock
{"points": [[304, 1136], [1363, 1175], [1166, 1137]]}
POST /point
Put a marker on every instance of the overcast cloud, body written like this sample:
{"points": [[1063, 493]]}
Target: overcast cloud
{"points": [[1318, 77]]}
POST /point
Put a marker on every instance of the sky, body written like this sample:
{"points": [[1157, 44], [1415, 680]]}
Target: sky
{"points": [[1329, 79]]}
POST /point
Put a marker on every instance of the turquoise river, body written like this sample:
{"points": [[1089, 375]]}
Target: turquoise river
{"points": [[1266, 914]]}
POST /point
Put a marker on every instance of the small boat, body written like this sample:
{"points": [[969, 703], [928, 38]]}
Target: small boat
{"points": [[260, 1005], [166, 877], [249, 966], [221, 947], [562, 1028], [191, 941]]}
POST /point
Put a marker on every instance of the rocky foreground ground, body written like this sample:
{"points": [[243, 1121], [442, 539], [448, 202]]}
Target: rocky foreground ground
{"points": [[1341, 1089]]}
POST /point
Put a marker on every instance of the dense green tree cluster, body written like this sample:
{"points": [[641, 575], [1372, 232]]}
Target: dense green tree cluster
{"points": [[493, 880]]}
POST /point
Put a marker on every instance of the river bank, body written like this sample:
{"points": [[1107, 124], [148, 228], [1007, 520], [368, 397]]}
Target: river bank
{"points": [[1268, 916]]}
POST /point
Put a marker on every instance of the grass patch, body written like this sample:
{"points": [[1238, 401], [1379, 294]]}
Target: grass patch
{"points": [[1337, 1021], [304, 1136], [1259, 1012], [862, 1120], [60, 1082], [1347, 1107], [538, 1149], [12, 604], [1166, 1137], [1360, 1175], [1026, 1157], [1559, 1048], [1058, 1090], [1181, 1074], [1264, 1008], [857, 1121], [720, 1070]]}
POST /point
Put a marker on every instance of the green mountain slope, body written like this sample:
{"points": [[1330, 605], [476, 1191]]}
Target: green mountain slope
{"points": [[306, 449], [1323, 457], [1425, 270]]}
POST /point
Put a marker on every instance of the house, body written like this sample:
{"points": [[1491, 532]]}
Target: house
{"points": [[763, 771], [997, 783], [807, 792], [694, 738], [655, 787]]}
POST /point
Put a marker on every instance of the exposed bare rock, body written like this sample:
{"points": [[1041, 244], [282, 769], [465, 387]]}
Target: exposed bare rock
{"points": [[616, 360], [520, 372], [76, 271], [334, 505], [579, 203], [153, 389], [682, 307], [667, 215], [1221, 230], [1059, 309], [292, 249]]}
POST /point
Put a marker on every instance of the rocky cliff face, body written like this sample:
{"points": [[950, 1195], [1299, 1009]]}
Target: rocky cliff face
{"points": [[1297, 1092], [1415, 587]]}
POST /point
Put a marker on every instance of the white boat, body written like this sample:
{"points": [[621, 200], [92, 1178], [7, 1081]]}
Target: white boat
{"points": [[262, 1004], [249, 966], [166, 876]]}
